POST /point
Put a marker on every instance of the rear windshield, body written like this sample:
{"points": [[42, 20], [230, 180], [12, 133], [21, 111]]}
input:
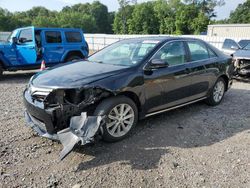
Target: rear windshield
{"points": [[73, 36]]}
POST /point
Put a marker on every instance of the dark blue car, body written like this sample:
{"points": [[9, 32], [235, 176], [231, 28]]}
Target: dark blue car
{"points": [[25, 48]]}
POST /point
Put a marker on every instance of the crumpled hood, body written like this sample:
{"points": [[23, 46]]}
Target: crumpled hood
{"points": [[75, 74], [242, 54]]}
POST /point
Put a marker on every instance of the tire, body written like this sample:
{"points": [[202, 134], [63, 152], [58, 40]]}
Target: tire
{"points": [[1, 70], [87, 48], [217, 93], [73, 58], [117, 128]]}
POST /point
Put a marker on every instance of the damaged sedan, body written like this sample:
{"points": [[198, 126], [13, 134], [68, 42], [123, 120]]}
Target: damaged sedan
{"points": [[241, 60], [106, 94]]}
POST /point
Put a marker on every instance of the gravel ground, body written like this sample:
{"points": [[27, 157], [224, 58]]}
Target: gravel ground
{"points": [[195, 146]]}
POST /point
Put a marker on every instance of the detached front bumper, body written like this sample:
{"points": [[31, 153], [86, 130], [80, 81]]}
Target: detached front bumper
{"points": [[38, 118], [39, 127], [80, 129]]}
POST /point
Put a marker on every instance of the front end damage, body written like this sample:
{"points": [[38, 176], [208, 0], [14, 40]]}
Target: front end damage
{"points": [[82, 129], [242, 66], [57, 114]]}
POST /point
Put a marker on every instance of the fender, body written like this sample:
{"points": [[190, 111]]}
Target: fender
{"points": [[83, 52], [4, 61]]}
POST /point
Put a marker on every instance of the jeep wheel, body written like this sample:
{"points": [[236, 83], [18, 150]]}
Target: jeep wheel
{"points": [[122, 116], [73, 58]]}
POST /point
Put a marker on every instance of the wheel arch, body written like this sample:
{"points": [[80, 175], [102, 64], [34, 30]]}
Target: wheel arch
{"points": [[71, 53], [226, 79], [2, 60], [133, 97]]}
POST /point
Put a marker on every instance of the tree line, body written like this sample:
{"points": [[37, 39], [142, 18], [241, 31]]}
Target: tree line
{"points": [[152, 17]]}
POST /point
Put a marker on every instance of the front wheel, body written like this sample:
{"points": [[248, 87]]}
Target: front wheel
{"points": [[122, 116], [217, 93]]}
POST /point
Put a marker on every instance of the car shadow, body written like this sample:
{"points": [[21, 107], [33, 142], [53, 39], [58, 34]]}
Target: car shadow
{"points": [[196, 125]]}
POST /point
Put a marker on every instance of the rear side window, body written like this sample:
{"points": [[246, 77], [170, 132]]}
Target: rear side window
{"points": [[73, 36], [211, 53], [26, 35], [53, 37], [198, 50]]}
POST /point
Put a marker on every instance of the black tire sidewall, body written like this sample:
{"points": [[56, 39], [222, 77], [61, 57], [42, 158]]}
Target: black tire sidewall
{"points": [[72, 58], [104, 108]]}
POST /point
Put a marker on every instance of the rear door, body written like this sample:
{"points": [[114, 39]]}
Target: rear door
{"points": [[199, 58], [26, 47], [53, 46]]}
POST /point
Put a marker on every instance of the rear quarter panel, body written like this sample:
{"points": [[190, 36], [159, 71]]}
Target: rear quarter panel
{"points": [[221, 66]]}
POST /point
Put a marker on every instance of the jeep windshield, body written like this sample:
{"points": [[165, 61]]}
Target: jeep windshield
{"points": [[12, 34], [124, 53]]}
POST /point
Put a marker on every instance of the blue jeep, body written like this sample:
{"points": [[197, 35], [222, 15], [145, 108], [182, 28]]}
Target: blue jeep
{"points": [[25, 48]]}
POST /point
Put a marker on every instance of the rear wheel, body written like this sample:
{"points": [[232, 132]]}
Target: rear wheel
{"points": [[73, 58], [217, 93], [122, 116]]}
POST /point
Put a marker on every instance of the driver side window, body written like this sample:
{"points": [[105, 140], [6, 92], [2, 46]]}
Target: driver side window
{"points": [[26, 35], [172, 53]]}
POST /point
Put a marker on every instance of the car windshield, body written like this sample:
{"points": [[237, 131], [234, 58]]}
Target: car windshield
{"points": [[12, 34], [247, 47], [243, 43], [124, 53]]}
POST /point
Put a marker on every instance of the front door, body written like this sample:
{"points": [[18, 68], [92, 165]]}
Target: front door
{"points": [[167, 87], [26, 47]]}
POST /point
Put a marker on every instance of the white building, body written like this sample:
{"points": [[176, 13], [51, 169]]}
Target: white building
{"points": [[229, 30]]}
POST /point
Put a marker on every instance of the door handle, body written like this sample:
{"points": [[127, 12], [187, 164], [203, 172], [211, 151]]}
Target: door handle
{"points": [[59, 47]]}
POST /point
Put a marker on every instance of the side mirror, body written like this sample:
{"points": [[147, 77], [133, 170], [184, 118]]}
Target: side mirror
{"points": [[234, 47], [158, 63], [22, 40], [14, 40]]}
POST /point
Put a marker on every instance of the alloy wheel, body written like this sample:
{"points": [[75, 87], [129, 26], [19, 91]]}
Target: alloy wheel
{"points": [[120, 120], [219, 90]]}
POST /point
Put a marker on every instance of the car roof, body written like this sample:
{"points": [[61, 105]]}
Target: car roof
{"points": [[51, 28], [65, 29], [161, 38]]}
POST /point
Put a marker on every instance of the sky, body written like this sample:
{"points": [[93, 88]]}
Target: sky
{"points": [[23, 5]]}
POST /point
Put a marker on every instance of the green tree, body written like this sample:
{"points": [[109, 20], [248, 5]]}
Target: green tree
{"points": [[77, 20], [165, 12], [120, 25], [241, 13], [101, 16], [143, 20], [185, 16], [200, 23], [207, 6]]}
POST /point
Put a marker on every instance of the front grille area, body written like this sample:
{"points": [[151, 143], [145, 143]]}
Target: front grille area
{"points": [[39, 94]]}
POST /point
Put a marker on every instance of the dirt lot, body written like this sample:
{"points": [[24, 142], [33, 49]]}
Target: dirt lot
{"points": [[194, 146]]}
